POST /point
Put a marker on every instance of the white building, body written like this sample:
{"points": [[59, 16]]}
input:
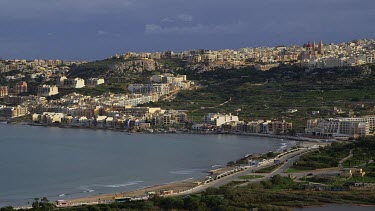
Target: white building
{"points": [[349, 127], [47, 90], [101, 121], [48, 118], [92, 82], [65, 82], [218, 119], [161, 89], [333, 62]]}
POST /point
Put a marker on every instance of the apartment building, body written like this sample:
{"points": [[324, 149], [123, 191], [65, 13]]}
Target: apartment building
{"points": [[47, 90], [93, 82], [12, 112], [218, 119], [279, 127], [65, 82], [48, 118], [20, 87], [249, 127], [265, 126], [3, 91], [348, 127], [161, 89], [140, 112]]}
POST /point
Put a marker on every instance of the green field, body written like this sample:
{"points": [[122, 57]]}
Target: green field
{"points": [[268, 169], [293, 170], [323, 158], [267, 95], [250, 177], [363, 156]]}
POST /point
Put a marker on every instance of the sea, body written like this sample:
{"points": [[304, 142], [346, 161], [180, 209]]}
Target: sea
{"points": [[61, 163]]}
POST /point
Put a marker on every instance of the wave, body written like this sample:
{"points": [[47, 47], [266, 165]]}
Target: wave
{"points": [[86, 189], [283, 145], [121, 185], [188, 179], [184, 172]]}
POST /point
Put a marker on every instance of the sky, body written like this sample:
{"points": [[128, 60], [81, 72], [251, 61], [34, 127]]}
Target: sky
{"points": [[97, 29]]}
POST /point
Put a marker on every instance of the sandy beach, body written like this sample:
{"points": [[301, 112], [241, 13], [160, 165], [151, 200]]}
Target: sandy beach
{"points": [[169, 189], [174, 187]]}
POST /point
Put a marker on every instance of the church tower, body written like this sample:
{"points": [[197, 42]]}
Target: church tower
{"points": [[321, 48], [314, 46]]}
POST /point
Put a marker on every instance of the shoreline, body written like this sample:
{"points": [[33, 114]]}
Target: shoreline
{"points": [[190, 132], [177, 186], [180, 186]]}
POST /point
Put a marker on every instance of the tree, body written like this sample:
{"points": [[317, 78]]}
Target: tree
{"points": [[42, 204], [8, 208], [292, 132], [277, 179], [36, 204], [213, 202], [191, 203], [171, 203], [270, 154]]}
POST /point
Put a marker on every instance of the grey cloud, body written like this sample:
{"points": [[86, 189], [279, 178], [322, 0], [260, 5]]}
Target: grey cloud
{"points": [[41, 9], [168, 20], [99, 28], [180, 17], [185, 17], [235, 28], [101, 32]]}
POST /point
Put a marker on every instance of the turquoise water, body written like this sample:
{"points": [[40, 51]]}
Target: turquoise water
{"points": [[70, 163]]}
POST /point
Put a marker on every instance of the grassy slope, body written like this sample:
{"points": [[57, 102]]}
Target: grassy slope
{"points": [[259, 95], [331, 155], [256, 94]]}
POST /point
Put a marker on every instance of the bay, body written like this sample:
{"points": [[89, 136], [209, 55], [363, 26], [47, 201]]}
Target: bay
{"points": [[68, 163]]}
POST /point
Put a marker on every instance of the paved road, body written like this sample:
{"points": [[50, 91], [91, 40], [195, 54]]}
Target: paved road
{"points": [[346, 158], [288, 160], [221, 104]]}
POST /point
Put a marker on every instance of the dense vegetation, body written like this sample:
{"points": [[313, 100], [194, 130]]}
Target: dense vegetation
{"points": [[268, 169], [324, 158], [278, 193], [363, 157], [254, 94]]}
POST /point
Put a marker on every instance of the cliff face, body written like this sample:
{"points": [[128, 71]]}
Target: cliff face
{"points": [[114, 68], [120, 68], [138, 66]]}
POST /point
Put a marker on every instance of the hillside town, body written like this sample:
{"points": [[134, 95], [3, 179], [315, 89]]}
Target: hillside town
{"points": [[51, 105], [114, 105], [311, 55]]}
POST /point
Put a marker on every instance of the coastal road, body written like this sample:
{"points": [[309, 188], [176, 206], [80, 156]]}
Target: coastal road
{"points": [[288, 160]]}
